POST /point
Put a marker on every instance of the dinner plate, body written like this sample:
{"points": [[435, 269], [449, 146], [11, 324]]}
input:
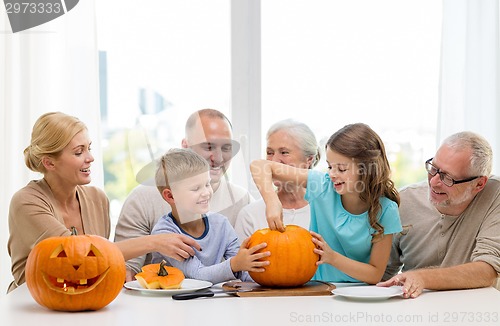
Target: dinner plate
{"points": [[371, 292], [188, 285]]}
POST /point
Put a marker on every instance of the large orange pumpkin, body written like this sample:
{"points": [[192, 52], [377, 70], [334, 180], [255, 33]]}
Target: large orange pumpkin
{"points": [[75, 273], [159, 276], [292, 260]]}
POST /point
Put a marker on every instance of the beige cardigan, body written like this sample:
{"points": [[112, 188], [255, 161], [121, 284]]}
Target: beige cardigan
{"points": [[32, 218]]}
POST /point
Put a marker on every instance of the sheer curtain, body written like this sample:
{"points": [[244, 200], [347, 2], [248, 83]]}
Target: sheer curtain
{"points": [[469, 93], [52, 67]]}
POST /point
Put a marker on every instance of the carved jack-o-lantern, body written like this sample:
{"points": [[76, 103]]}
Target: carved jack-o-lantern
{"points": [[75, 273]]}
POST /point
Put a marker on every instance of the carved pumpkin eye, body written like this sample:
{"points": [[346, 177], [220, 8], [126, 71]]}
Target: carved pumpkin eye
{"points": [[94, 252], [58, 252]]}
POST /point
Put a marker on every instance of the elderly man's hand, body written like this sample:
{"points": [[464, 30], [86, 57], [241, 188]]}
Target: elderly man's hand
{"points": [[412, 283]]}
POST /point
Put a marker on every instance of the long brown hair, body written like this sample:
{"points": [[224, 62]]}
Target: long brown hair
{"points": [[359, 142]]}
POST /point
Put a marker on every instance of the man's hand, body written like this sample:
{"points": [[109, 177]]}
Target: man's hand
{"points": [[177, 246], [412, 283]]}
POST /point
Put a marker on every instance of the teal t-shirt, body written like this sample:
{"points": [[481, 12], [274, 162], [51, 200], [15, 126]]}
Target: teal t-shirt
{"points": [[346, 233]]}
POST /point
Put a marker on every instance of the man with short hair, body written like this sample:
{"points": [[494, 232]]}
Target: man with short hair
{"points": [[208, 133], [451, 222]]}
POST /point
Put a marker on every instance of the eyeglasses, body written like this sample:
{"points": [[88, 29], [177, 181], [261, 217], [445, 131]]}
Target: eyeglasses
{"points": [[445, 178]]}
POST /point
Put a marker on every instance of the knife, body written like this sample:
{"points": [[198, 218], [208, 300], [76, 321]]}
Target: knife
{"points": [[205, 293]]}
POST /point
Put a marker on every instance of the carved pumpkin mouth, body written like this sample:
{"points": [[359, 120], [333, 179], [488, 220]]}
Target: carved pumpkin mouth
{"points": [[80, 286]]}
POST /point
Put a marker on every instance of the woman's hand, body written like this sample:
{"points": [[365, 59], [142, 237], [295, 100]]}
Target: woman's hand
{"points": [[248, 259]]}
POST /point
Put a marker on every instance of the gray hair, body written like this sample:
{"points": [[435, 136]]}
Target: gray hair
{"points": [[481, 159], [304, 136], [178, 164]]}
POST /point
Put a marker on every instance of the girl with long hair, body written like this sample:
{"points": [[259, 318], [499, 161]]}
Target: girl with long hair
{"points": [[354, 206]]}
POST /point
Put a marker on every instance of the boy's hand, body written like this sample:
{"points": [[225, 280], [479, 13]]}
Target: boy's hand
{"points": [[248, 259]]}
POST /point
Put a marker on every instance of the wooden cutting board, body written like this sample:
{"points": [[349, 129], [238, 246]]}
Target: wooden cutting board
{"points": [[311, 288]]}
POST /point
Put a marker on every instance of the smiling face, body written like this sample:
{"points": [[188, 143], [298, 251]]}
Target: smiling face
{"points": [[283, 148], [211, 137], [451, 200], [73, 164], [192, 197], [344, 174]]}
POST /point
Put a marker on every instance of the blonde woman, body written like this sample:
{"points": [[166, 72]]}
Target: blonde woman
{"points": [[60, 150]]}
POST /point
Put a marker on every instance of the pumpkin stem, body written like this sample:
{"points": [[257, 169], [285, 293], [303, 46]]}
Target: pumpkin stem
{"points": [[73, 230], [162, 271]]}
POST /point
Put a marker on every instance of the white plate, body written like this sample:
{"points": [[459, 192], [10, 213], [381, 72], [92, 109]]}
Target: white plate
{"points": [[188, 285], [371, 292]]}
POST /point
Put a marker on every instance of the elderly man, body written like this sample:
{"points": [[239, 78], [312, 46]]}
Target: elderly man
{"points": [[451, 223], [208, 133]]}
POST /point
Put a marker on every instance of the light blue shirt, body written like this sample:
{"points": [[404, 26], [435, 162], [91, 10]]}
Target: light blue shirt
{"points": [[219, 243], [346, 233]]}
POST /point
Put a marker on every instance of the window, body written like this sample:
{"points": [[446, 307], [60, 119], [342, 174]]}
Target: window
{"points": [[326, 63], [159, 61], [331, 63]]}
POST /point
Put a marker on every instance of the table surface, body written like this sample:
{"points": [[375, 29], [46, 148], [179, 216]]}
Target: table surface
{"points": [[130, 307]]}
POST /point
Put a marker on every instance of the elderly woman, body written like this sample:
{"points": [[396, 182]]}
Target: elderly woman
{"points": [[61, 200], [288, 142]]}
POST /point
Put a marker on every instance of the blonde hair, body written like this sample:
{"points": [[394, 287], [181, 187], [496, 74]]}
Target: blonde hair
{"points": [[51, 133], [359, 142], [178, 164]]}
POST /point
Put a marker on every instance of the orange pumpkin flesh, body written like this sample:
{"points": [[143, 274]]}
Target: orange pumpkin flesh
{"points": [[159, 276], [75, 273], [292, 260]]}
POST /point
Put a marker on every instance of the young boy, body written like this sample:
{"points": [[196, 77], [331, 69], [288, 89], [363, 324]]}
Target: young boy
{"points": [[183, 179]]}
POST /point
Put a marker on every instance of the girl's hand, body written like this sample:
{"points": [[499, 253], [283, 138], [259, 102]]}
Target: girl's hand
{"points": [[327, 255], [274, 216], [248, 259]]}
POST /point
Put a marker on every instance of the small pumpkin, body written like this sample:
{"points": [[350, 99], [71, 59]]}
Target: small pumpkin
{"points": [[292, 259], [75, 273], [160, 276]]}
